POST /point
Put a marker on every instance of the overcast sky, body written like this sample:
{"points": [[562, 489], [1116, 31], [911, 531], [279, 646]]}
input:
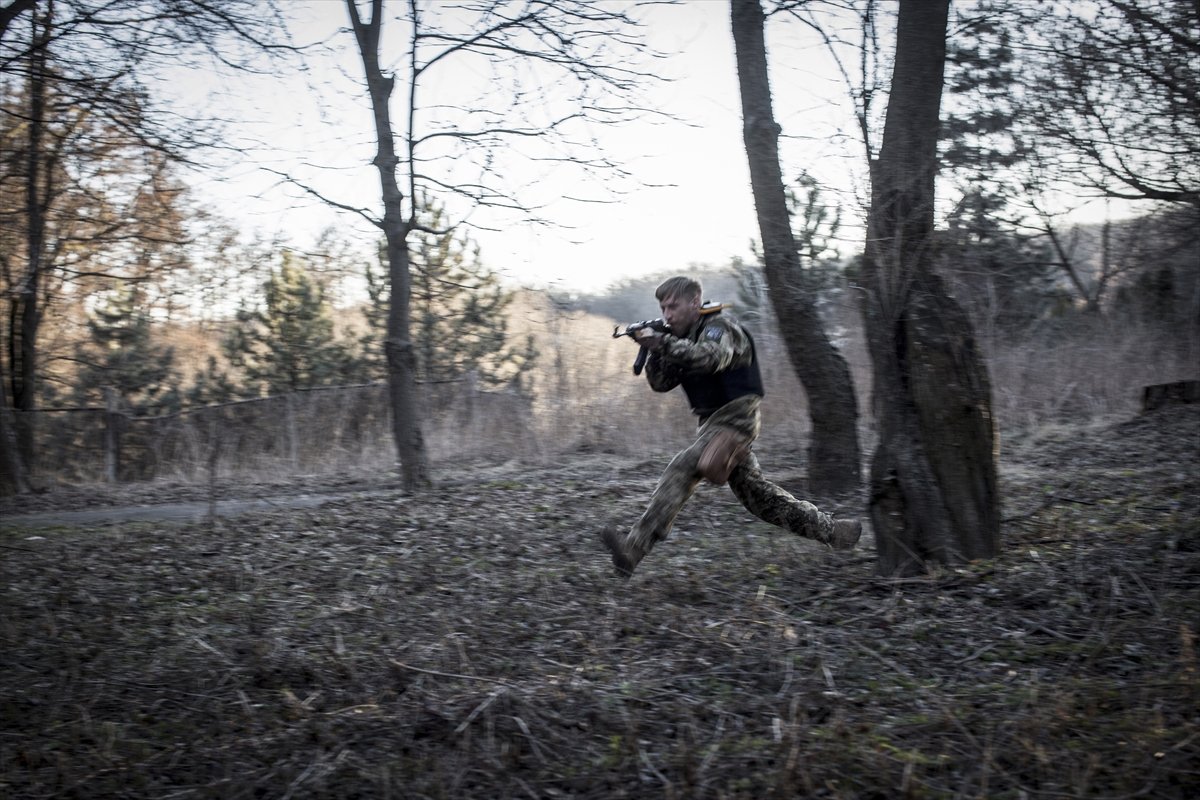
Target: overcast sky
{"points": [[693, 206]]}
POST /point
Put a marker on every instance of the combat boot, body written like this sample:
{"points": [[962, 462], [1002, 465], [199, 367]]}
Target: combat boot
{"points": [[625, 558], [845, 534]]}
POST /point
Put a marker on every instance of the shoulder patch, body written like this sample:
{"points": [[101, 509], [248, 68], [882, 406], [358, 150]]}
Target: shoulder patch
{"points": [[714, 332]]}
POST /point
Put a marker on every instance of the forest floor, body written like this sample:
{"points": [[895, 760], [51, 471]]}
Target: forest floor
{"points": [[473, 642]]}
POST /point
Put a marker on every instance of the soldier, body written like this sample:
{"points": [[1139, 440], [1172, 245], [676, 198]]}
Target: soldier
{"points": [[713, 358]]}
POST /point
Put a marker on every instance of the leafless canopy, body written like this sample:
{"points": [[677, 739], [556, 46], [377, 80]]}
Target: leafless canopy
{"points": [[1118, 89], [496, 92]]}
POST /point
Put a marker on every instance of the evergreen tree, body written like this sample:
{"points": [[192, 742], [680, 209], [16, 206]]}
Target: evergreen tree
{"points": [[290, 343], [211, 385], [1047, 107], [984, 149], [458, 310], [372, 365], [123, 355], [997, 263], [1007, 280], [815, 228]]}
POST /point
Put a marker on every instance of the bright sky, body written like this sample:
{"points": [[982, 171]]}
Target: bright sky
{"points": [[706, 215]]}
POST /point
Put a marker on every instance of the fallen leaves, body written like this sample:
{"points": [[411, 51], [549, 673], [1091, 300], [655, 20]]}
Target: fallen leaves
{"points": [[473, 643]]}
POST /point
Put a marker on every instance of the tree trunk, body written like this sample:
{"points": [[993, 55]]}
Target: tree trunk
{"points": [[934, 495], [13, 479], [26, 307], [398, 348], [833, 454]]}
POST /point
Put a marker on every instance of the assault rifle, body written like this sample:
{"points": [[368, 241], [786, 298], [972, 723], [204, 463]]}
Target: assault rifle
{"points": [[659, 325]]}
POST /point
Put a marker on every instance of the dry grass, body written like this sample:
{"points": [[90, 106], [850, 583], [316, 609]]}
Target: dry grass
{"points": [[1094, 371], [580, 397]]}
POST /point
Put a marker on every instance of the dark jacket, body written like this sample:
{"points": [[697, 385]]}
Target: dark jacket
{"points": [[715, 362]]}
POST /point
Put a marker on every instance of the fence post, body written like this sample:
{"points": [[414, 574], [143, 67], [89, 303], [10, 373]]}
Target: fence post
{"points": [[470, 395], [112, 435], [293, 446], [214, 458]]}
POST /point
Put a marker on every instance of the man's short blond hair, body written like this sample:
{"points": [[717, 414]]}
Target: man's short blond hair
{"points": [[679, 286]]}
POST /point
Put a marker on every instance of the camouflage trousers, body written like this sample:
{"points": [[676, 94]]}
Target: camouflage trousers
{"points": [[761, 498]]}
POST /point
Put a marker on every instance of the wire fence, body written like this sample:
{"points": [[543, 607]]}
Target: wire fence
{"points": [[588, 403], [340, 428]]}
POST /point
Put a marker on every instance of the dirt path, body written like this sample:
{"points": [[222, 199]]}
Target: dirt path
{"points": [[190, 511], [181, 502]]}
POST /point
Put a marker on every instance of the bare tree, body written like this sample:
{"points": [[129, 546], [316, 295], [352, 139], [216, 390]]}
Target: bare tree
{"points": [[9, 14], [1113, 85], [1057, 105], [398, 348], [76, 203], [25, 291], [567, 44], [834, 454], [933, 483]]}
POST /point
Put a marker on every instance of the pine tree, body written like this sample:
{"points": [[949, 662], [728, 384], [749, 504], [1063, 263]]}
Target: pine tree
{"points": [[289, 344], [123, 355], [458, 310], [815, 228], [1006, 280], [997, 267], [372, 364], [211, 385]]}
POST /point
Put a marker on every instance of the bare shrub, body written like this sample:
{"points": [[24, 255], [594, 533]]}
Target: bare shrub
{"points": [[579, 396], [464, 422], [1092, 368], [585, 397], [304, 432]]}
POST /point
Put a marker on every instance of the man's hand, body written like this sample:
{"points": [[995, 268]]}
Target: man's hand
{"points": [[649, 338]]}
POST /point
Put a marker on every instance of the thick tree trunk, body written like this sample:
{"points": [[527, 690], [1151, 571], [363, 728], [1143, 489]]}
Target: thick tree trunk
{"points": [[934, 495], [834, 455], [401, 357]]}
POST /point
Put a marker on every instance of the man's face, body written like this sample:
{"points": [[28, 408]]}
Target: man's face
{"points": [[680, 312]]}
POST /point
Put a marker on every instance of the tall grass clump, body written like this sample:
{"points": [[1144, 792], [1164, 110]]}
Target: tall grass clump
{"points": [[1087, 369]]}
